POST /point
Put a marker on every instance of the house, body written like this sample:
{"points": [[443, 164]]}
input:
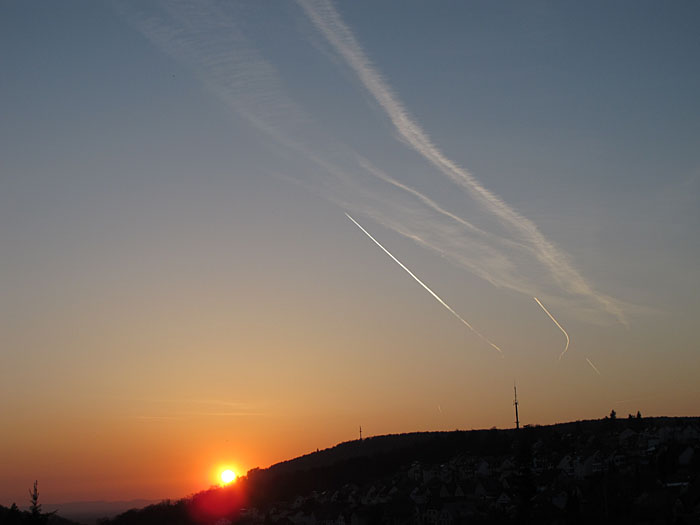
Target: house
{"points": [[503, 501], [300, 518], [419, 496], [507, 465], [431, 517], [626, 436], [415, 472], [566, 464], [686, 457], [589, 466], [483, 468], [445, 518], [560, 499], [689, 434]]}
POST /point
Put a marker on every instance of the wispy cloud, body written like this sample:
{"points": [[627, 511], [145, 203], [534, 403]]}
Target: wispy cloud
{"points": [[209, 38], [185, 415], [158, 418], [165, 409], [205, 37], [325, 17]]}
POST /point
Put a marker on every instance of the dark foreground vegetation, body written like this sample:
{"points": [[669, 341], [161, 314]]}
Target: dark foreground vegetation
{"points": [[12, 515], [632, 470]]}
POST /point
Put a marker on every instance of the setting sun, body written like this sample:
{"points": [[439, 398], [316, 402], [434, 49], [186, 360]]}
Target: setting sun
{"points": [[227, 476]]}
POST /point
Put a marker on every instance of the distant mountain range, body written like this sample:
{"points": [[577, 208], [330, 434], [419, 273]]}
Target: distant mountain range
{"points": [[88, 512]]}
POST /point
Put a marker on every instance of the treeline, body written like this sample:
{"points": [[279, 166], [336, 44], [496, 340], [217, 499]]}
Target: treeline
{"points": [[12, 515], [208, 506]]}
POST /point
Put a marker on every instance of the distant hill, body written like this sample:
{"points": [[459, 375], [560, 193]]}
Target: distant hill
{"points": [[14, 516], [631, 470], [443, 443], [88, 512]]}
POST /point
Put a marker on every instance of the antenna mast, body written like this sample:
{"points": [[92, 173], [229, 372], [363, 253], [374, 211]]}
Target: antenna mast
{"points": [[515, 403], [360, 432]]}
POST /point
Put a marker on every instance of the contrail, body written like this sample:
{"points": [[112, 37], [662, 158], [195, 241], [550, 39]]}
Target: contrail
{"points": [[443, 303], [594, 367], [556, 323], [328, 21]]}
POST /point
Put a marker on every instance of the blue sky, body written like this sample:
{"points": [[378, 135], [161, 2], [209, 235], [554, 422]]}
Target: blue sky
{"points": [[174, 185]]}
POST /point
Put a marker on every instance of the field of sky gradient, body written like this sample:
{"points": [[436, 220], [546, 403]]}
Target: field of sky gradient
{"points": [[180, 286]]}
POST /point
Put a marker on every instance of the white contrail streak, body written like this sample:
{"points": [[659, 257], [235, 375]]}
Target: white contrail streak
{"points": [[556, 323], [327, 20], [443, 303], [594, 367]]}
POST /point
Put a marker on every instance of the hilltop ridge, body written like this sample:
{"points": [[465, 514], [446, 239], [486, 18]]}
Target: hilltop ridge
{"points": [[386, 443], [636, 470]]}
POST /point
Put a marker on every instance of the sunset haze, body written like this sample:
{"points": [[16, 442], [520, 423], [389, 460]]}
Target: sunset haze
{"points": [[181, 291]]}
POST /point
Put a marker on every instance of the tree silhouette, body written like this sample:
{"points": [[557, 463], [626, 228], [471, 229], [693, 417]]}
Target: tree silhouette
{"points": [[613, 414], [35, 506], [14, 515]]}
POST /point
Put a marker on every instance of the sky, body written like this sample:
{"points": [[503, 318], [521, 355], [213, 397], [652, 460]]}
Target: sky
{"points": [[205, 209]]}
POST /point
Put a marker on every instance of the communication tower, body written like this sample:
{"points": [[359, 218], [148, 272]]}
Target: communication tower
{"points": [[515, 403]]}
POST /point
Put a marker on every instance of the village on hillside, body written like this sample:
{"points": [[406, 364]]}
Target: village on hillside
{"points": [[635, 470]]}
